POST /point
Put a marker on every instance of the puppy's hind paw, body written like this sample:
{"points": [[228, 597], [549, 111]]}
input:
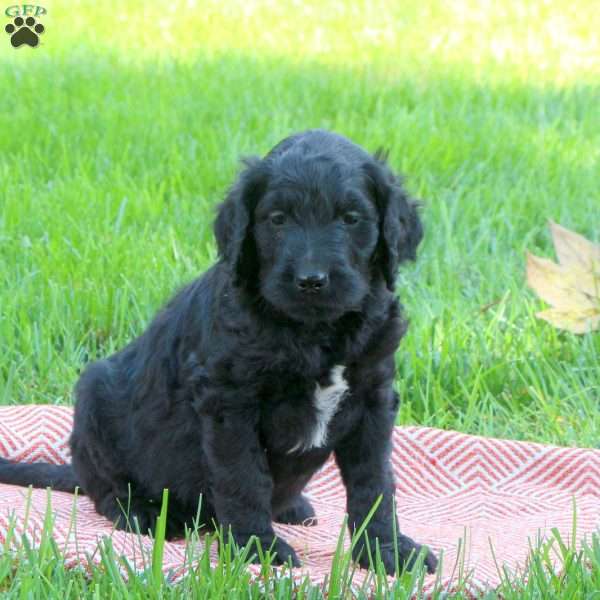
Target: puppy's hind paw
{"points": [[300, 512]]}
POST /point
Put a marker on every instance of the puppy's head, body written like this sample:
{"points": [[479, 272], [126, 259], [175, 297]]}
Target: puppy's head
{"points": [[311, 231]]}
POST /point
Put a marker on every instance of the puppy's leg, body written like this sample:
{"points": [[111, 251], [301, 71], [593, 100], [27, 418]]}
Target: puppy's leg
{"points": [[363, 458], [130, 513], [241, 483], [112, 496], [300, 512], [105, 482]]}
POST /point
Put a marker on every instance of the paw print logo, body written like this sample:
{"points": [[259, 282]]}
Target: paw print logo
{"points": [[24, 31]]}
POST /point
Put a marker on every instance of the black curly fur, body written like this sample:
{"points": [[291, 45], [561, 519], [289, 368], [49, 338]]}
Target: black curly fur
{"points": [[215, 395]]}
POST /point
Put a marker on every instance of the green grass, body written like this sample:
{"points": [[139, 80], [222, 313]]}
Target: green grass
{"points": [[41, 572], [121, 132]]}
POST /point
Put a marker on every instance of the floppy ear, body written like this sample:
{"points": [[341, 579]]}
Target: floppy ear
{"points": [[233, 225], [400, 228]]}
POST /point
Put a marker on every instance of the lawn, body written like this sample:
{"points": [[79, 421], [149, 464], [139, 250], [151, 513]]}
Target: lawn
{"points": [[122, 130]]}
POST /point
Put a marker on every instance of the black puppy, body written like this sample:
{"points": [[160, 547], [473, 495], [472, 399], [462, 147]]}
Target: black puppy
{"points": [[279, 355]]}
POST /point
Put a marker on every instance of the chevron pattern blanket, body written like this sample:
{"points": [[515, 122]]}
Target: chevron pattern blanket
{"points": [[497, 496]]}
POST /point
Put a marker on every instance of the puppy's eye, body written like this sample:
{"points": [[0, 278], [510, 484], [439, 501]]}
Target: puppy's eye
{"points": [[277, 218], [351, 218]]}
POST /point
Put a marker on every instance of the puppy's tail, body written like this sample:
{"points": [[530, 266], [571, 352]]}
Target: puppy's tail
{"points": [[39, 475]]}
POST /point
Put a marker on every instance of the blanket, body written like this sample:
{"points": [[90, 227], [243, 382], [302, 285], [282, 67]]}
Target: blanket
{"points": [[487, 499]]}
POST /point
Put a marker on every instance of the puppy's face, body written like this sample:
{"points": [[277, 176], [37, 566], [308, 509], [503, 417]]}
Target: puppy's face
{"points": [[315, 236], [311, 233]]}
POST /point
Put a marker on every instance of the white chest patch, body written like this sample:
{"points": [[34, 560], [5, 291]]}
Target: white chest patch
{"points": [[326, 402]]}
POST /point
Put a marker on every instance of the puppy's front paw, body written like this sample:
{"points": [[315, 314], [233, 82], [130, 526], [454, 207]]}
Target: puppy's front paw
{"points": [[280, 550], [284, 553], [408, 552]]}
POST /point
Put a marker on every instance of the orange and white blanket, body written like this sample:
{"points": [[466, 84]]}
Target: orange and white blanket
{"points": [[498, 496]]}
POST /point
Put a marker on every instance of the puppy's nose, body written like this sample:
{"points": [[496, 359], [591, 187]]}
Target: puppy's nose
{"points": [[312, 282]]}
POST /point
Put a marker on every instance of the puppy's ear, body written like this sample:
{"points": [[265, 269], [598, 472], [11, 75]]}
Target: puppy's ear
{"points": [[234, 222], [400, 228]]}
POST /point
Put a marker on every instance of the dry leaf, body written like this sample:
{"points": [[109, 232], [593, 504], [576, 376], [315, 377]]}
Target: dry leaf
{"points": [[572, 287], [558, 286], [573, 249], [581, 321]]}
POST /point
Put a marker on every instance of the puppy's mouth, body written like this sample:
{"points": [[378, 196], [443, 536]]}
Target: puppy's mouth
{"points": [[313, 307], [314, 303], [314, 312]]}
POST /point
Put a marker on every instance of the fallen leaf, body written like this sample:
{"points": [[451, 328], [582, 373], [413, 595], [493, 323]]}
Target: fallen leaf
{"points": [[571, 287], [573, 249], [574, 321], [559, 286]]}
